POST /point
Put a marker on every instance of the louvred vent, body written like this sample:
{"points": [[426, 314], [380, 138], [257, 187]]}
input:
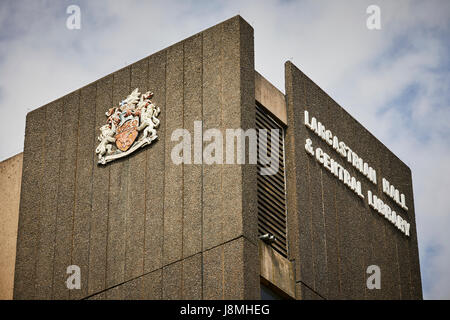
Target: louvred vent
{"points": [[271, 188]]}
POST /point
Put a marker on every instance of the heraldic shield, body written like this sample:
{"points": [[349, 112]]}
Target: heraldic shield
{"points": [[127, 133], [130, 126]]}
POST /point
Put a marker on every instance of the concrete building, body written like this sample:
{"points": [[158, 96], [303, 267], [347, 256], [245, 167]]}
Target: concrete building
{"points": [[144, 227], [10, 178]]}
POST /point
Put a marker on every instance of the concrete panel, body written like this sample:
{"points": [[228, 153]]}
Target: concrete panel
{"points": [[231, 118], [381, 246], [350, 236], [392, 273], [152, 285], [180, 280], [238, 92], [240, 270], [270, 97], [192, 278], [100, 296], [172, 281], [133, 289], [332, 237], [66, 196], [276, 269], [213, 274], [331, 214], [10, 181], [297, 169], [135, 222], [368, 238], [192, 174], [118, 199], [83, 200], [212, 202], [318, 232], [115, 293], [409, 276], [47, 239], [355, 209], [173, 179], [416, 281], [306, 293], [233, 275], [30, 198], [100, 197], [377, 226], [252, 268], [155, 153], [249, 171]]}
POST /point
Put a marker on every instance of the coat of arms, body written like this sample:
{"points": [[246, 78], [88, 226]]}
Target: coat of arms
{"points": [[130, 126]]}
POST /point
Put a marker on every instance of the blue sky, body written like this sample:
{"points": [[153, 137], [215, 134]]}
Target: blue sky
{"points": [[395, 81]]}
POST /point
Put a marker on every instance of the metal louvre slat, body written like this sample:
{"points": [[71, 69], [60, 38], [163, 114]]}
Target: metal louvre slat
{"points": [[263, 207], [263, 159], [264, 162], [273, 194], [279, 221], [279, 174], [267, 131], [276, 221], [275, 176], [264, 124], [264, 115], [276, 182], [273, 199], [271, 188], [268, 134]]}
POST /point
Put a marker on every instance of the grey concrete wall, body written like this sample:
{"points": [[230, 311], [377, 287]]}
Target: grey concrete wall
{"points": [[333, 234], [141, 226], [270, 97], [10, 179]]}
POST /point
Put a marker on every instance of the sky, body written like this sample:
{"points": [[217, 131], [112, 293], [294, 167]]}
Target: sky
{"points": [[395, 81]]}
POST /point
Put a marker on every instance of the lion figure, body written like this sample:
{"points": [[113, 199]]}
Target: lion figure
{"points": [[149, 121], [106, 138]]}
